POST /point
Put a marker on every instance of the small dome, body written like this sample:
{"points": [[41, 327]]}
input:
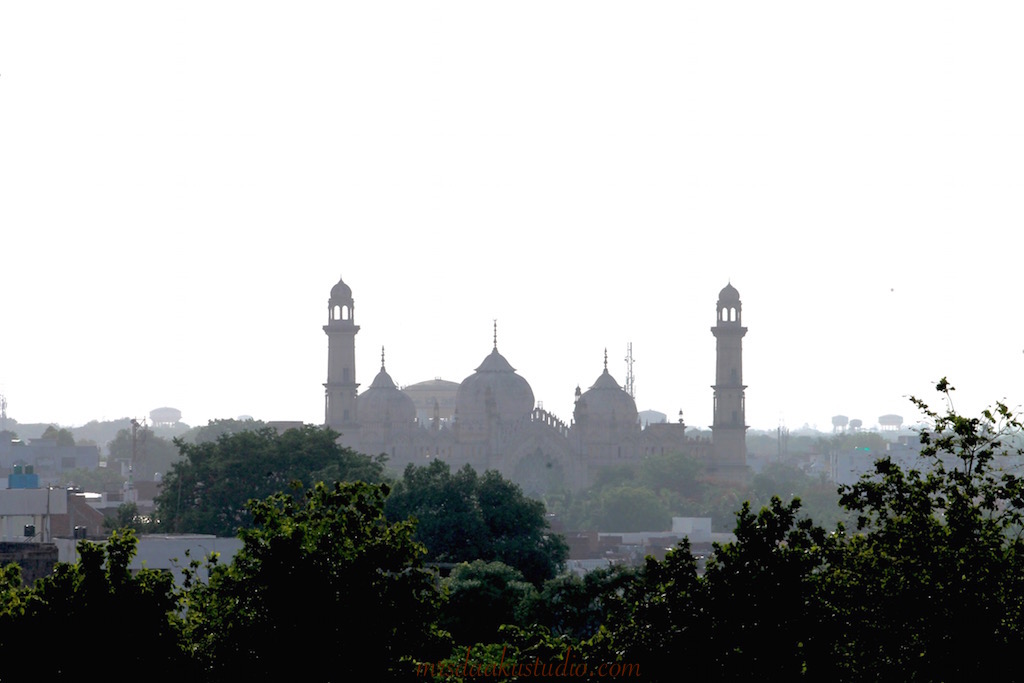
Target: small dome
{"points": [[384, 402], [494, 388], [341, 292], [729, 294], [605, 402]]}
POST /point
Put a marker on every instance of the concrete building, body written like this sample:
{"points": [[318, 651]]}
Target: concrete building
{"points": [[167, 552], [46, 458], [490, 420]]}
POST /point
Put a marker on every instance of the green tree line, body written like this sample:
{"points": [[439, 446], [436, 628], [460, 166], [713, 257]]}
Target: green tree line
{"points": [[923, 585]]}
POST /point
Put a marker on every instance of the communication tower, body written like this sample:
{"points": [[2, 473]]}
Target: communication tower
{"points": [[630, 379]]}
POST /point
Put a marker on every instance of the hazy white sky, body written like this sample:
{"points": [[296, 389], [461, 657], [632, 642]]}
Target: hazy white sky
{"points": [[181, 184]]}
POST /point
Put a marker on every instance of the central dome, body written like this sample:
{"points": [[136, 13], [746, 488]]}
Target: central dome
{"points": [[494, 390]]}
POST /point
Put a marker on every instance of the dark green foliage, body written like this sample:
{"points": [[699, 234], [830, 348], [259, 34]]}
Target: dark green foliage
{"points": [[576, 607], [928, 587], [325, 586], [761, 591], [214, 429], [483, 596], [207, 491], [463, 517], [127, 517], [754, 612], [656, 620], [933, 583], [90, 607], [931, 588]]}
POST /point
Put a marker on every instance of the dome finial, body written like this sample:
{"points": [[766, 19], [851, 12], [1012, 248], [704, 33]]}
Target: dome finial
{"points": [[606, 359], [495, 334], [381, 356]]}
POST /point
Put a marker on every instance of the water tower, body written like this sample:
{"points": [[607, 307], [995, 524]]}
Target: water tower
{"points": [[890, 423], [165, 417]]}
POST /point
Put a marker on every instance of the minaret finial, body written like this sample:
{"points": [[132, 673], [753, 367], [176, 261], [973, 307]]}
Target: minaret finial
{"points": [[606, 359], [495, 334], [381, 356]]}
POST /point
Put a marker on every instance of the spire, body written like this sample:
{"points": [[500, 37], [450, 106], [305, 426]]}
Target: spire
{"points": [[382, 357], [606, 359], [495, 334]]}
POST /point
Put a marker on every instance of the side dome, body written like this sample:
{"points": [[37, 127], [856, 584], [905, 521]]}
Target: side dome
{"points": [[385, 403], [605, 403], [494, 390]]}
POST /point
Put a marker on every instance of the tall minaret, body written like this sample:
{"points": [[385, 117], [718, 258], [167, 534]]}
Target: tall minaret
{"points": [[729, 431], [341, 386]]}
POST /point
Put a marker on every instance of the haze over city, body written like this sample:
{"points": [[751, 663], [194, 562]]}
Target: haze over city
{"points": [[182, 186]]}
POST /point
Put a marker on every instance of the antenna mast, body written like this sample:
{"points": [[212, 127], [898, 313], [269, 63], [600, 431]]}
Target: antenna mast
{"points": [[131, 495], [630, 379]]}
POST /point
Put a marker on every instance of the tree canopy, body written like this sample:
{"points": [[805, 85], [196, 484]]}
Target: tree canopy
{"points": [[62, 435], [926, 585], [207, 490], [80, 600], [463, 516], [323, 581], [151, 455]]}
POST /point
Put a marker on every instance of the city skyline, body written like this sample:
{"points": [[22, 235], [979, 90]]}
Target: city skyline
{"points": [[182, 186]]}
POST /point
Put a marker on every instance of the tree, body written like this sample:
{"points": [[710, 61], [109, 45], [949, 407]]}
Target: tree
{"points": [[151, 455], [576, 607], [483, 596], [463, 517], [323, 582], [656, 620], [933, 584], [62, 436], [819, 498], [762, 596], [208, 489], [680, 473], [754, 612], [127, 517], [98, 479], [214, 429], [76, 599], [631, 508]]}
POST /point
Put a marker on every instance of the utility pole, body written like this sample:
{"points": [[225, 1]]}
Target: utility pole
{"points": [[131, 495]]}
